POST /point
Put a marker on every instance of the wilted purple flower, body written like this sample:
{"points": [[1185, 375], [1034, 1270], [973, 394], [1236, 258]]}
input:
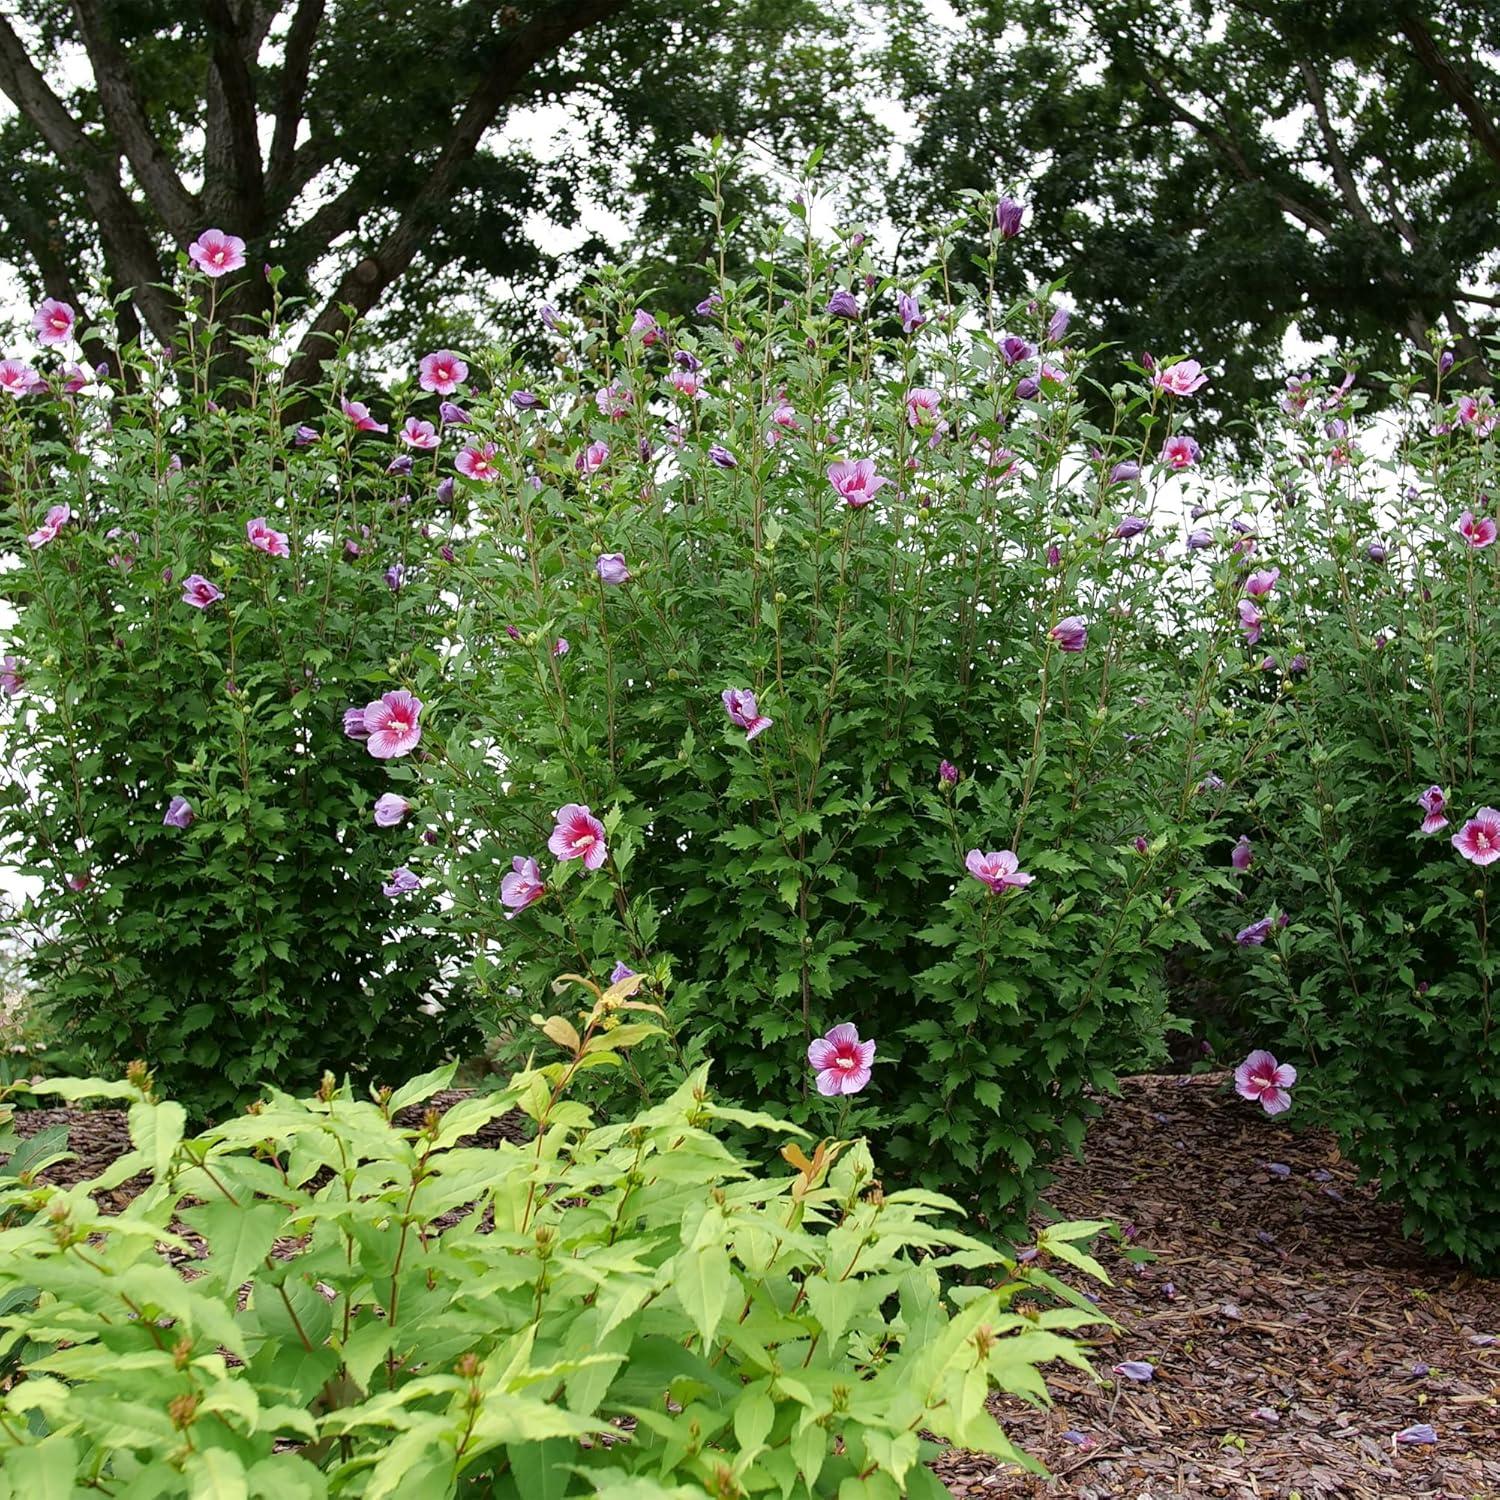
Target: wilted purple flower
{"points": [[1054, 555], [1434, 803], [445, 490], [1255, 934], [1013, 349], [644, 327], [910, 312], [1376, 552], [1129, 469], [1242, 856], [179, 813], [1008, 215], [446, 553], [1199, 538], [560, 646], [526, 401], [1297, 666], [395, 576], [842, 305], [1057, 324], [611, 567], [1140, 844], [709, 305], [1419, 1370], [304, 435], [1420, 1436], [1070, 634], [1250, 622], [1135, 1369], [1080, 1439], [947, 773], [1211, 783], [390, 810], [354, 724], [1028, 388], [453, 414], [402, 880], [199, 592], [621, 971], [722, 457], [400, 464], [1129, 526], [548, 314]]}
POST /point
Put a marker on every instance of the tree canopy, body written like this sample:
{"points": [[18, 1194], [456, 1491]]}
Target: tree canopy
{"points": [[368, 150], [1209, 175]]}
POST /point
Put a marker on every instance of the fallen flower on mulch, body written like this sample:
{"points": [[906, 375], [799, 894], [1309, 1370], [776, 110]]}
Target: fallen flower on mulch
{"points": [[1299, 1322]]}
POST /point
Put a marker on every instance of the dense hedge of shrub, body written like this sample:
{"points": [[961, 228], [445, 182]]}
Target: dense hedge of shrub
{"points": [[623, 1309], [818, 659], [1372, 741], [201, 590]]}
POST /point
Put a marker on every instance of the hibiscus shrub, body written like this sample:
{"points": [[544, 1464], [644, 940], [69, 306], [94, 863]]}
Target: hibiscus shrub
{"points": [[1368, 712], [809, 662], [200, 591], [625, 1309]]}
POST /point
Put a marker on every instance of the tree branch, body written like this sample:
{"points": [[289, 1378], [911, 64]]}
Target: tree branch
{"points": [[362, 285], [126, 119], [1232, 152], [233, 187], [1338, 163], [295, 67], [127, 242], [1451, 80]]}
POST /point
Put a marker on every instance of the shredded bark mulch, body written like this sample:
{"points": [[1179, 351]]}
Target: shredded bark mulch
{"points": [[1292, 1329]]}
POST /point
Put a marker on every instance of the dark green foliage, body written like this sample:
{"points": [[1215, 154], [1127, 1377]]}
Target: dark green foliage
{"points": [[255, 944]]}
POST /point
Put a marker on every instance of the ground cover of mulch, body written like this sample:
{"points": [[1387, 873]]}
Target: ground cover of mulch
{"points": [[1292, 1330]]}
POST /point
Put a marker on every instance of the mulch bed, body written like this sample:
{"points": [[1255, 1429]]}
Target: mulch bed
{"points": [[1288, 1321]]}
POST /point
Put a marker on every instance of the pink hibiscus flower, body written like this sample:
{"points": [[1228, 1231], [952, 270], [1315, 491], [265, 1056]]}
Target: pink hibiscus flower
{"points": [[1477, 533], [1179, 452], [1259, 584], [442, 372], [923, 407], [216, 253], [477, 461], [53, 321], [390, 810], [265, 539], [740, 705], [1181, 379], [1071, 634], [1433, 802], [841, 1060], [12, 679], [199, 592], [57, 518], [592, 459], [614, 400], [419, 434], [1261, 1077], [521, 887], [18, 379], [358, 413], [392, 724], [578, 835], [644, 327], [998, 869], [1479, 839], [857, 483]]}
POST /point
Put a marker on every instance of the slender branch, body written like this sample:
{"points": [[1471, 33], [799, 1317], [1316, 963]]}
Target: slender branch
{"points": [[1338, 163], [127, 122], [127, 242], [295, 67], [1451, 79], [364, 282]]}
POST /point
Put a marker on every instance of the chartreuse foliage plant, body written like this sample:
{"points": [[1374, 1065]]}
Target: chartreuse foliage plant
{"points": [[200, 588], [1371, 738], [626, 1309]]}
